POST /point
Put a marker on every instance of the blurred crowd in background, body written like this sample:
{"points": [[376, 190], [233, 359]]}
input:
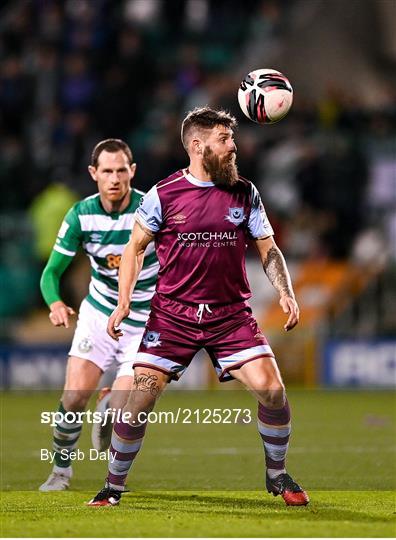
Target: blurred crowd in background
{"points": [[73, 72]]}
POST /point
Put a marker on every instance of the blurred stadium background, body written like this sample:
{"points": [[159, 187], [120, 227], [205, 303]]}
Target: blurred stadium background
{"points": [[73, 72]]}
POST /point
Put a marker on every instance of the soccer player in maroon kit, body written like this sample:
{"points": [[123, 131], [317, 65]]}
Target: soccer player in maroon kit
{"points": [[201, 219]]}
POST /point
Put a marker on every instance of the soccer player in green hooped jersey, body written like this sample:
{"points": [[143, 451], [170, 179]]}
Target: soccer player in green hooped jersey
{"points": [[101, 225]]}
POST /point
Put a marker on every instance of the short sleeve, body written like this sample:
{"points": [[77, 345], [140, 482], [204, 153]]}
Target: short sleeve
{"points": [[258, 224], [149, 213], [69, 235]]}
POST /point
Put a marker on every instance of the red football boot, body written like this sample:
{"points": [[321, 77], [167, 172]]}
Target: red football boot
{"points": [[106, 497], [284, 485]]}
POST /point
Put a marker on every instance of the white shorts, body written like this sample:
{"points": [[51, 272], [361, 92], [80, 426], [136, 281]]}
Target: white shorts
{"points": [[92, 342]]}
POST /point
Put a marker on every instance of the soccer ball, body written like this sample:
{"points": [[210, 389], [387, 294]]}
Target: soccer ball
{"points": [[265, 96]]}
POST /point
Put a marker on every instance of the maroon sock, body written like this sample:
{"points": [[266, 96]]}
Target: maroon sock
{"points": [[126, 441], [274, 428]]}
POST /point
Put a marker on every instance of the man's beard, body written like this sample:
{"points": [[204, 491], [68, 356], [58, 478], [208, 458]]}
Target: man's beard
{"points": [[223, 172]]}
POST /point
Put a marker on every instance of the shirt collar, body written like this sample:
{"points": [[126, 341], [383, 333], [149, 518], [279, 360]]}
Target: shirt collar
{"points": [[195, 181]]}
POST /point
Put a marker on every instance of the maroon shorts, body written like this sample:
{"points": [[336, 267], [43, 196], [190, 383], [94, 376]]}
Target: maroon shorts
{"points": [[176, 331]]}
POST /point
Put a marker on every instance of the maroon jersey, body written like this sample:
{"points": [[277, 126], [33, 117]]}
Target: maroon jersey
{"points": [[201, 234]]}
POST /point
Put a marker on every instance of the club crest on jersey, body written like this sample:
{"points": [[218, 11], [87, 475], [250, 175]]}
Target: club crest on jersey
{"points": [[85, 345], [151, 339], [235, 215]]}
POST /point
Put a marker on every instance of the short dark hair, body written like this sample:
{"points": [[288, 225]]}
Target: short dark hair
{"points": [[110, 145], [205, 118]]}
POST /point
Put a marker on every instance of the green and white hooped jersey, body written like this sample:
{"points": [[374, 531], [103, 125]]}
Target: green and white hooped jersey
{"points": [[103, 236]]}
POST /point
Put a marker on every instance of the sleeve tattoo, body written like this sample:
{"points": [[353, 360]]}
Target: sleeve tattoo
{"points": [[275, 267]]}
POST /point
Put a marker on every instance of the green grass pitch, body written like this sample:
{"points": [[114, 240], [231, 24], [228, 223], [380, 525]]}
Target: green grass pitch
{"points": [[200, 480]]}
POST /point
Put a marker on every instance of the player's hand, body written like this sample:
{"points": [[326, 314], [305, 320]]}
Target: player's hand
{"points": [[289, 305], [116, 318], [59, 314]]}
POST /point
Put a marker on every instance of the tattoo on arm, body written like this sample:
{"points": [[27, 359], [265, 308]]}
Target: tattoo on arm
{"points": [[277, 272], [147, 382]]}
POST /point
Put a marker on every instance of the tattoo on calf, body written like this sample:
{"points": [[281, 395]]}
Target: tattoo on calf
{"points": [[276, 270], [147, 382]]}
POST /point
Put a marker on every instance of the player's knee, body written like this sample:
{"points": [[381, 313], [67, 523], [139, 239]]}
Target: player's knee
{"points": [[136, 405], [118, 399], [275, 399], [75, 400], [266, 382], [147, 387], [273, 394]]}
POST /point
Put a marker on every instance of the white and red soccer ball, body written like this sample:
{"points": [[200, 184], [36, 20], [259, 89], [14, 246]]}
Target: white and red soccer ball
{"points": [[265, 96]]}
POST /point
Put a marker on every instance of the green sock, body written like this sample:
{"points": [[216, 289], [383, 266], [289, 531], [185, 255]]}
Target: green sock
{"points": [[66, 435]]}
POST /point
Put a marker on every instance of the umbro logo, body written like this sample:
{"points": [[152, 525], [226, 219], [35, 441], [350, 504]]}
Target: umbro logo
{"points": [[179, 218], [95, 238]]}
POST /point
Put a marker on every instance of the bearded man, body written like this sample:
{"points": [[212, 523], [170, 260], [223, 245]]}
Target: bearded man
{"points": [[201, 219]]}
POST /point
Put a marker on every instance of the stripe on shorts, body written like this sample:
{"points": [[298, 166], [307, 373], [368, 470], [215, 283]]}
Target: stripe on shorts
{"points": [[244, 355], [155, 360]]}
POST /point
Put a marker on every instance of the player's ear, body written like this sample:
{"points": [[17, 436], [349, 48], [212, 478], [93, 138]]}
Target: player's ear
{"points": [[133, 170], [92, 172], [197, 145]]}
